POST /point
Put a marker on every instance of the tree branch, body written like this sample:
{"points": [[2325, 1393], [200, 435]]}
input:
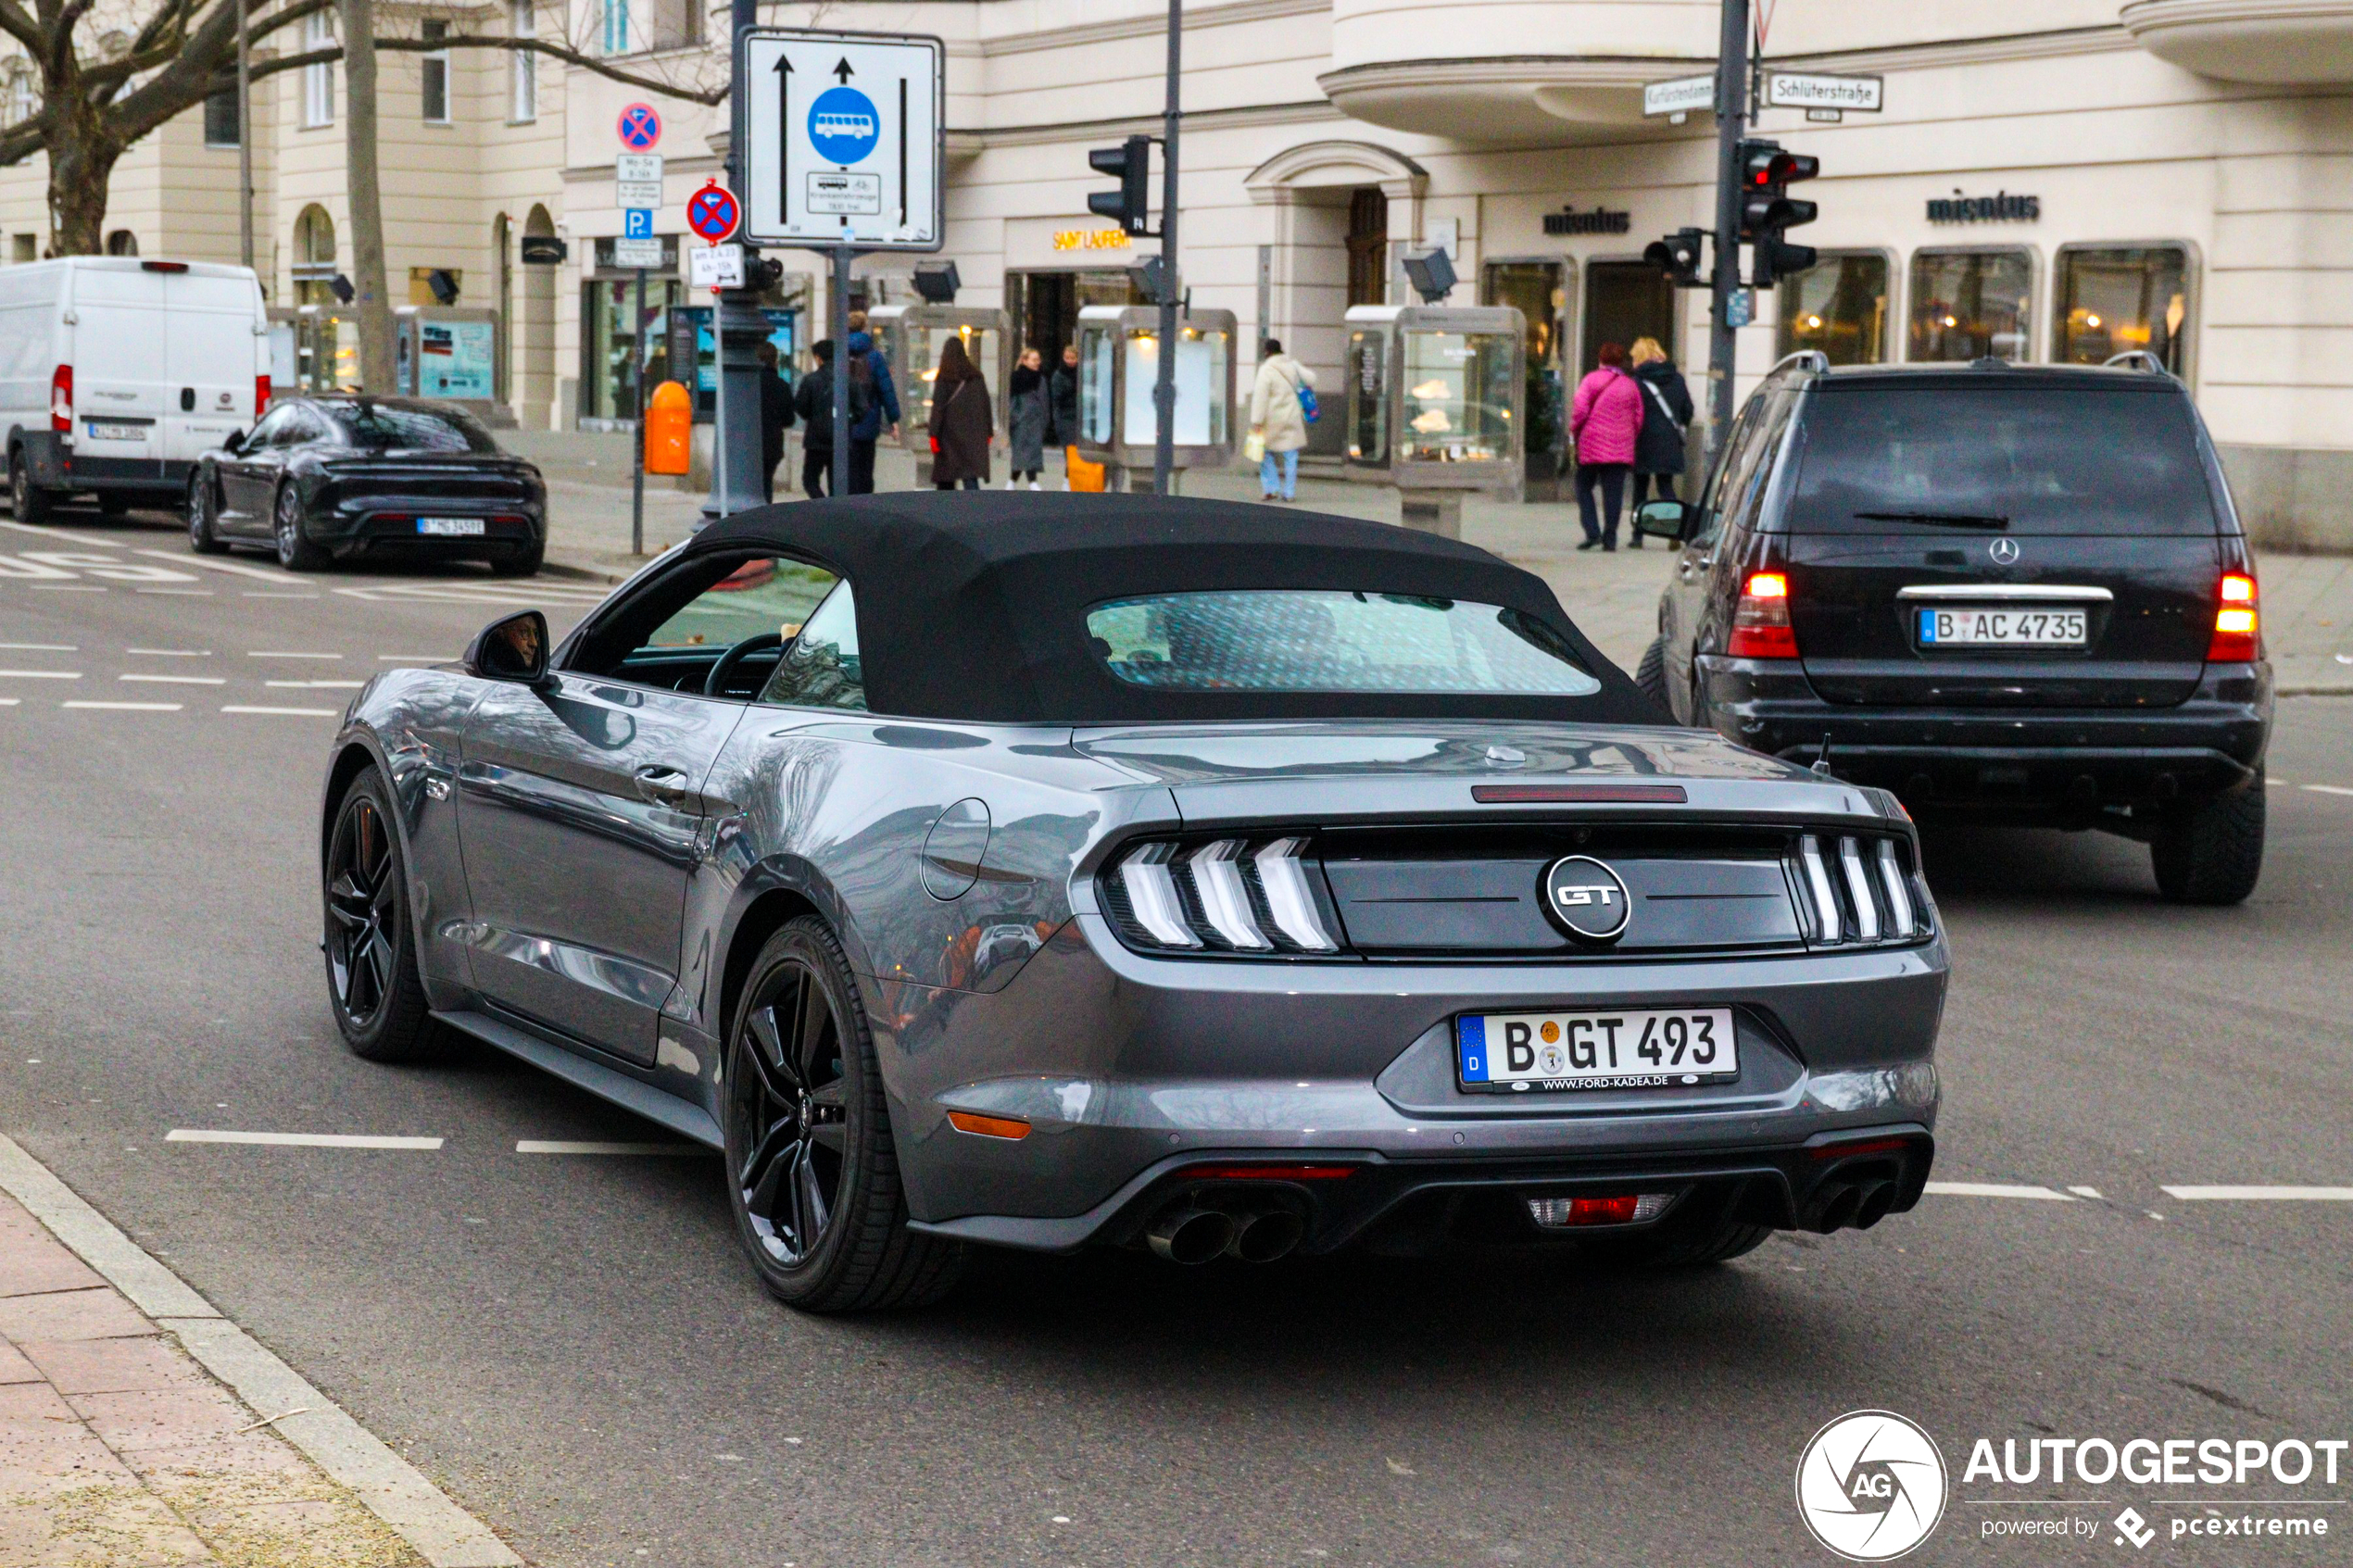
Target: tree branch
{"points": [[23, 29]]}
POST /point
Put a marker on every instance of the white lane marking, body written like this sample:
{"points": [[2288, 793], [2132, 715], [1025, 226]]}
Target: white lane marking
{"points": [[445, 1535], [210, 565], [251, 595], [411, 658], [65, 587], [170, 653], [560, 1146], [297, 1140], [179, 680], [1995, 1190], [318, 685], [56, 533], [182, 593], [280, 653], [127, 707], [11, 701], [2085, 1192], [284, 712], [2259, 1194], [2327, 789], [41, 674], [44, 647]]}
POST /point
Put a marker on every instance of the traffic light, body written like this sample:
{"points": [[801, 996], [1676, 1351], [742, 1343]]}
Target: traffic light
{"points": [[1679, 255], [1131, 164], [1768, 210]]}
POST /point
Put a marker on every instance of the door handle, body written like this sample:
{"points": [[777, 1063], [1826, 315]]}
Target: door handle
{"points": [[663, 786]]}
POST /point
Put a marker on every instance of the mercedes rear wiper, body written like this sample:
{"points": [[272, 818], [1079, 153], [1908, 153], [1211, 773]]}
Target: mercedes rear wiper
{"points": [[1940, 519]]}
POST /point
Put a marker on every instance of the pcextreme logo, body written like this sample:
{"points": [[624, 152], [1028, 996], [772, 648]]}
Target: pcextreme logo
{"points": [[1870, 1486]]}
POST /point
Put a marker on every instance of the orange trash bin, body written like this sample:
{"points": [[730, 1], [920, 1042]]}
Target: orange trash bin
{"points": [[670, 429]]}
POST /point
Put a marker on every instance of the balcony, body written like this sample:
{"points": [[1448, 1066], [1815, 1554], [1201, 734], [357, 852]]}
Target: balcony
{"points": [[2305, 42]]}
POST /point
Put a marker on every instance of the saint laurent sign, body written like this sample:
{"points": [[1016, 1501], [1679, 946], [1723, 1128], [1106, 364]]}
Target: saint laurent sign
{"points": [[1999, 207], [1601, 220]]}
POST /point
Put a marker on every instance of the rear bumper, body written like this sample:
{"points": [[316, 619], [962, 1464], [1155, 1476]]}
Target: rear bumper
{"points": [[2029, 763], [508, 528], [51, 465]]}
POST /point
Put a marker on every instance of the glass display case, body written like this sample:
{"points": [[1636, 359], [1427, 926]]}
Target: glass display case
{"points": [[318, 347], [1435, 395], [449, 352], [1118, 366], [912, 337]]}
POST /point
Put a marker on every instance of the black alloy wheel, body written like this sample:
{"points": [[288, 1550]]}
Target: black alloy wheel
{"points": [[295, 552], [27, 501], [812, 1173], [373, 984], [201, 537]]}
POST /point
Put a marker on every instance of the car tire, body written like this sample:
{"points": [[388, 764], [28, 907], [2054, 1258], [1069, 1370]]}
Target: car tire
{"points": [[295, 552], [1651, 673], [805, 1111], [373, 986], [27, 501], [521, 563], [2212, 853], [201, 537]]}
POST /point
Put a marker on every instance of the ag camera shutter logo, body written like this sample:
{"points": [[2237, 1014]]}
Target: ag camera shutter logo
{"points": [[1870, 1486]]}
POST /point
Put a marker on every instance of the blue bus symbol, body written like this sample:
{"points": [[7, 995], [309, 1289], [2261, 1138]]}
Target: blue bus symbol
{"points": [[843, 125]]}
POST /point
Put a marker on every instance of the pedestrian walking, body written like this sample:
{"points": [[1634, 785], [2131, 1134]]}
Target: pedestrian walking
{"points": [[1667, 416], [1607, 418], [1062, 393], [960, 421], [1279, 420], [1029, 415], [776, 415], [813, 400], [868, 365]]}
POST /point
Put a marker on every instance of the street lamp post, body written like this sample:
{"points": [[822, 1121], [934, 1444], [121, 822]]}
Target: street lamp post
{"points": [[1731, 104]]}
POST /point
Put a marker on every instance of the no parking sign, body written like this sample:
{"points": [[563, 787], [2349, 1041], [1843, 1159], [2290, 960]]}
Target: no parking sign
{"points": [[640, 128], [713, 213]]}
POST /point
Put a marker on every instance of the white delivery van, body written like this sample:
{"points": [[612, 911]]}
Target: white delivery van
{"points": [[116, 371]]}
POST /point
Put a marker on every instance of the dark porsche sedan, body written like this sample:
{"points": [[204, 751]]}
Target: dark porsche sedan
{"points": [[327, 479], [1054, 871]]}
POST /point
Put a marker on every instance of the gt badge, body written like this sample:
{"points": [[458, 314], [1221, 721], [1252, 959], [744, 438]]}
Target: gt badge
{"points": [[1587, 899]]}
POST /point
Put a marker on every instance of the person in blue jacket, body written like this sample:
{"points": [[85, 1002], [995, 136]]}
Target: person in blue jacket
{"points": [[883, 413]]}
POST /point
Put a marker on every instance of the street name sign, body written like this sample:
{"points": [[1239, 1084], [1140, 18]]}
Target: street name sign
{"points": [[1806, 89], [1684, 95], [716, 267], [841, 135]]}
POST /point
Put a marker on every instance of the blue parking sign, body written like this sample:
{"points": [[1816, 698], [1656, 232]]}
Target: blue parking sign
{"points": [[638, 223]]}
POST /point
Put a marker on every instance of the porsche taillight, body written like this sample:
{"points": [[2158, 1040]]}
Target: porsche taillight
{"points": [[1760, 621], [2238, 627]]}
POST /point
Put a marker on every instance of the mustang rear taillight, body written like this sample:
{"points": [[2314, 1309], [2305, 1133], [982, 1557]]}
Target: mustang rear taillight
{"points": [[1760, 621], [1231, 895], [1857, 890], [1625, 1208], [2237, 629]]}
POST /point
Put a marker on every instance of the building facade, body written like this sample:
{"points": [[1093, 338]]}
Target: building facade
{"points": [[2058, 184]]}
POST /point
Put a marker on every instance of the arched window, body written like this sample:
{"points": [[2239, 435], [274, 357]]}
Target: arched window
{"points": [[122, 241], [315, 237]]}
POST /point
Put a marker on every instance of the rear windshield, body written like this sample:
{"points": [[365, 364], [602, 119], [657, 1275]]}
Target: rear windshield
{"points": [[1329, 640], [380, 428], [2025, 460]]}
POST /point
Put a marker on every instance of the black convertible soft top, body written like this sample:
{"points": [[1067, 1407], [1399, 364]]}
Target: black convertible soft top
{"points": [[971, 605]]}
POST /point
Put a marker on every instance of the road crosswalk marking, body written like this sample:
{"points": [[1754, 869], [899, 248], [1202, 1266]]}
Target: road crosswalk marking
{"points": [[297, 1140]]}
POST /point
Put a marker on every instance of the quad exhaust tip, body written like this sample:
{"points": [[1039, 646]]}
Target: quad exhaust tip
{"points": [[1192, 1232], [1188, 1233]]}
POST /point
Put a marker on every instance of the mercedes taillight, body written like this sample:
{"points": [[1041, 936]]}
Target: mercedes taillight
{"points": [[2237, 629], [1760, 621]]}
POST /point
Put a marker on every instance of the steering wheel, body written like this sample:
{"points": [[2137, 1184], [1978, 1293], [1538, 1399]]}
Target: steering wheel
{"points": [[715, 683]]}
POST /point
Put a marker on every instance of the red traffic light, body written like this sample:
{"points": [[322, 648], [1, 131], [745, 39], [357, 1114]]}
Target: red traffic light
{"points": [[1778, 168]]}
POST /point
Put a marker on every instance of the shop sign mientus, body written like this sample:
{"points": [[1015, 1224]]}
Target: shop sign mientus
{"points": [[1999, 207], [1601, 220]]}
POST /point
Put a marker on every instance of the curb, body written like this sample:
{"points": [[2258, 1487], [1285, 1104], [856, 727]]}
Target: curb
{"points": [[391, 1488], [2314, 691]]}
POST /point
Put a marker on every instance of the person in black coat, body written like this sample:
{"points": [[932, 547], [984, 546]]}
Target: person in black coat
{"points": [[1061, 387], [814, 399], [776, 417], [1666, 415]]}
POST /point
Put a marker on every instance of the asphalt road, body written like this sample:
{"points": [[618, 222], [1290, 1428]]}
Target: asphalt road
{"points": [[570, 1347]]}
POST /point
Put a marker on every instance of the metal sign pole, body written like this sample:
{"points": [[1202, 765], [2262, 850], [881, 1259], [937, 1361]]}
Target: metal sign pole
{"points": [[719, 414], [839, 305], [1164, 384], [637, 478], [1723, 338]]}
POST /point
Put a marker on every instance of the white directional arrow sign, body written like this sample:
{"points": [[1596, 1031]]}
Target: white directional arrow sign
{"points": [[841, 139]]}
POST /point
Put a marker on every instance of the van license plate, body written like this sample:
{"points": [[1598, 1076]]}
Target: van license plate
{"points": [[102, 430], [2003, 628], [452, 527], [1626, 1049]]}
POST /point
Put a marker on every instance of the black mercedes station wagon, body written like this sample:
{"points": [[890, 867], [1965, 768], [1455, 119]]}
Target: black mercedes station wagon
{"points": [[2014, 593]]}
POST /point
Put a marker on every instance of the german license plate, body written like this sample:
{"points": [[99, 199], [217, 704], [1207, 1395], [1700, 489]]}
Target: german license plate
{"points": [[453, 527], [1627, 1049], [1995, 627], [107, 429]]}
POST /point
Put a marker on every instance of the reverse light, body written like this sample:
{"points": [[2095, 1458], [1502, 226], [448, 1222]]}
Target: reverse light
{"points": [[2237, 630], [1628, 1208], [1760, 621], [61, 399]]}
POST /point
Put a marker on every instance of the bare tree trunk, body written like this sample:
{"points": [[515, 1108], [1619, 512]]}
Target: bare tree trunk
{"points": [[367, 195], [82, 160]]}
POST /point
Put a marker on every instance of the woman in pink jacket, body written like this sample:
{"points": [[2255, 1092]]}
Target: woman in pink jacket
{"points": [[1605, 417]]}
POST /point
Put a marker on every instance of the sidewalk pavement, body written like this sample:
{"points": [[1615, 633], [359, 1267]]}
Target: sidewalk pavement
{"points": [[2308, 600], [118, 1450]]}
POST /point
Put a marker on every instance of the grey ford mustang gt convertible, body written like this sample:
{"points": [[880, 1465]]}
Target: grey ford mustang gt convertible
{"points": [[1057, 871]]}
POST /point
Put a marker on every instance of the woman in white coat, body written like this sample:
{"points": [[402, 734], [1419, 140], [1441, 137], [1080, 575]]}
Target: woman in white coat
{"points": [[1279, 422]]}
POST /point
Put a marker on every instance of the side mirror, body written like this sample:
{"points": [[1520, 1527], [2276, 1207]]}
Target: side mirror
{"points": [[514, 648], [235, 443], [1668, 518]]}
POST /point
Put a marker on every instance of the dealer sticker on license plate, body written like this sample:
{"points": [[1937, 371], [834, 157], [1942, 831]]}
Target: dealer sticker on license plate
{"points": [[2003, 628], [454, 526], [1629, 1048]]}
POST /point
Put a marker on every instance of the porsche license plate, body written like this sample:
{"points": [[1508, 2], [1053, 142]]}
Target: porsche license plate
{"points": [[1997, 627], [1627, 1049], [453, 527]]}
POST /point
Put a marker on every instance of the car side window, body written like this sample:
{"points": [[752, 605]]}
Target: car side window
{"points": [[1749, 500], [822, 669], [673, 630], [1728, 500], [273, 428]]}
